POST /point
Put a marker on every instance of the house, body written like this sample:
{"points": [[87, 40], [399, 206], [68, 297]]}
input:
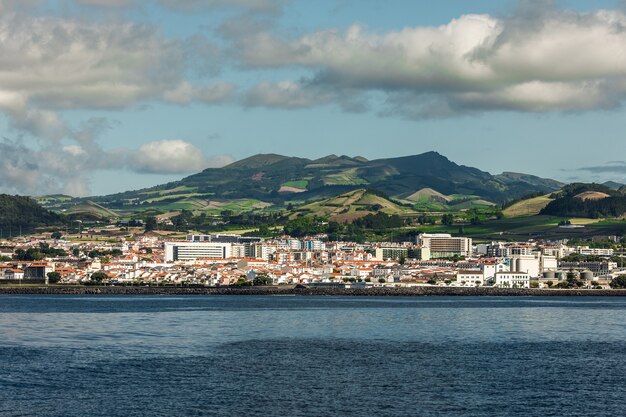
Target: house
{"points": [[512, 280], [470, 278], [14, 274]]}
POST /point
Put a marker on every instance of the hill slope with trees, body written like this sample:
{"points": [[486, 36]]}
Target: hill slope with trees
{"points": [[17, 211]]}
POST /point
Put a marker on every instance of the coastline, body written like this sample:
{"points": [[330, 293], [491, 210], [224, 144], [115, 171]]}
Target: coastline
{"points": [[318, 291]]}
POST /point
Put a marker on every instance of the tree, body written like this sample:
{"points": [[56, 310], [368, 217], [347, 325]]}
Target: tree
{"points": [[56, 235], [402, 260], [382, 280], [619, 282], [432, 281], [99, 276], [31, 254], [261, 280], [242, 282], [54, 277], [447, 219], [151, 224]]}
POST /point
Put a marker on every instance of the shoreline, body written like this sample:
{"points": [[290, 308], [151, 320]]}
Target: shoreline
{"points": [[318, 291]]}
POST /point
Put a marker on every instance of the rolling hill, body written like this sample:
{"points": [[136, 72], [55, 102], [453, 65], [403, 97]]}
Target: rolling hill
{"points": [[528, 207], [276, 180], [90, 211], [350, 206]]}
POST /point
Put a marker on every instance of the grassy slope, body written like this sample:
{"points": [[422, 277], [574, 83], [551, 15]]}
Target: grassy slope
{"points": [[529, 207], [355, 203], [91, 208]]}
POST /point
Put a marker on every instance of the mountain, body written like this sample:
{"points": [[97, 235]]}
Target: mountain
{"points": [[23, 212], [614, 185], [270, 179], [517, 180]]}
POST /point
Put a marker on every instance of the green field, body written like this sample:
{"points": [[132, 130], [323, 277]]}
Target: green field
{"points": [[347, 177], [302, 184]]}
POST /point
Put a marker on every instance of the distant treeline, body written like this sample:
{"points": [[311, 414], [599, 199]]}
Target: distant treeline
{"points": [[577, 207]]}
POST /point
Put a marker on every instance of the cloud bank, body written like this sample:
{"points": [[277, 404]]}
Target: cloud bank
{"points": [[65, 169], [554, 60]]}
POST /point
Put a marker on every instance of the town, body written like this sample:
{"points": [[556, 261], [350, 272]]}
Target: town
{"points": [[213, 260]]}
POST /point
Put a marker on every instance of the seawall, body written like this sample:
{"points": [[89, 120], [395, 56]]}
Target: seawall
{"points": [[290, 290]]}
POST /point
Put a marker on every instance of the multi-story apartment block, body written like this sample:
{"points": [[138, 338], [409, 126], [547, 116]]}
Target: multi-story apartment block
{"points": [[187, 251], [443, 245]]}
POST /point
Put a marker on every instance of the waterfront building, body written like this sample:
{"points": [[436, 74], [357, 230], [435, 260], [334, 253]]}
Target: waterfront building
{"points": [[512, 280], [443, 245], [470, 278]]}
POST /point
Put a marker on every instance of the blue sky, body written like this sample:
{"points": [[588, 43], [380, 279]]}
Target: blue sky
{"points": [[102, 96]]}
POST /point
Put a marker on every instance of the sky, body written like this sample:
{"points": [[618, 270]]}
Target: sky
{"points": [[104, 96]]}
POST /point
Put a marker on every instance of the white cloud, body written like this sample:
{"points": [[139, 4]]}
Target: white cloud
{"points": [[172, 157], [65, 169], [553, 60]]}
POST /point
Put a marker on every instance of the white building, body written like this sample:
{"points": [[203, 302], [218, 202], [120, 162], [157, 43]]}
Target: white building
{"points": [[470, 278], [490, 270], [534, 265], [188, 251], [587, 251], [443, 245], [512, 280]]}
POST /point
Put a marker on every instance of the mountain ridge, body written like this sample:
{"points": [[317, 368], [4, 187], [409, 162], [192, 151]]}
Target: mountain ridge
{"points": [[266, 178]]}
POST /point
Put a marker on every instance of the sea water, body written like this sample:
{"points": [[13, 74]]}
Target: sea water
{"points": [[312, 356]]}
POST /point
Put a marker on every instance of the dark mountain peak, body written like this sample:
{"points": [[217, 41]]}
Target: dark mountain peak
{"points": [[431, 157], [257, 161], [432, 164], [333, 160], [326, 159], [612, 184]]}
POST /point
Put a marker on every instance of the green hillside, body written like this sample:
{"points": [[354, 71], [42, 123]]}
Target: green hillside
{"points": [[591, 201], [23, 212]]}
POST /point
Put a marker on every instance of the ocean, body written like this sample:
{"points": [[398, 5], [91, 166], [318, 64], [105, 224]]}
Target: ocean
{"points": [[312, 356]]}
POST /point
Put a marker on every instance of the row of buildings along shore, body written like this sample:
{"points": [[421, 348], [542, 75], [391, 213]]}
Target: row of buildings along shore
{"points": [[222, 259]]}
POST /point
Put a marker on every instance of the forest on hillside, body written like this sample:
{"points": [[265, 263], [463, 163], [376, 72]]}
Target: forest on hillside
{"points": [[22, 212], [593, 209]]}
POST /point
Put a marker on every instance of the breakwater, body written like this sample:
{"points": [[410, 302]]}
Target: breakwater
{"points": [[306, 291]]}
